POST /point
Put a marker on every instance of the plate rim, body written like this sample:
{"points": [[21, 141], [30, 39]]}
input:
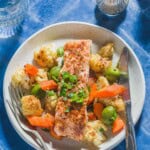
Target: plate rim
{"points": [[80, 23]]}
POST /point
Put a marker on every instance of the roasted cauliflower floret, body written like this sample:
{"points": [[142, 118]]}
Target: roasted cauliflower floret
{"points": [[50, 103], [45, 57], [107, 50], [102, 82], [31, 105], [93, 134], [117, 102], [98, 63], [22, 79], [41, 76]]}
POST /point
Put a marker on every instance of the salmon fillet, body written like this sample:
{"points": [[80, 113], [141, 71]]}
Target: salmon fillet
{"points": [[76, 62]]}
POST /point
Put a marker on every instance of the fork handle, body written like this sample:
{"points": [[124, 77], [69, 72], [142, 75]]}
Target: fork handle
{"points": [[130, 133], [40, 142], [43, 145]]}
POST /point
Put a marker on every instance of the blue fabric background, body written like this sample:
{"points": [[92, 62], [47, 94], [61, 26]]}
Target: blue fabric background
{"points": [[133, 26]]}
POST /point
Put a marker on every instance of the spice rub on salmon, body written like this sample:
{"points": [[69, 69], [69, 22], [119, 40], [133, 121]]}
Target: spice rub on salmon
{"points": [[71, 114]]}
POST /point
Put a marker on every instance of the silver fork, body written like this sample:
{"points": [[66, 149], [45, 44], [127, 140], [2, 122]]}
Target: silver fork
{"points": [[16, 94]]}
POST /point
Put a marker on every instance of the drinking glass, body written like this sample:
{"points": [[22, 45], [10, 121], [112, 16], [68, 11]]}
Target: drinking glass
{"points": [[12, 13], [112, 7]]}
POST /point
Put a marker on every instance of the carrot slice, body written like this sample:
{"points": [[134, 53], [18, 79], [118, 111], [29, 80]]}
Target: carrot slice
{"points": [[91, 81], [30, 70], [98, 108], [54, 135], [110, 91], [45, 121], [48, 85], [91, 116], [118, 125], [93, 90]]}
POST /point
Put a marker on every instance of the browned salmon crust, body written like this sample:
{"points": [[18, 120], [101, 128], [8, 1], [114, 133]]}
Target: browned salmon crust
{"points": [[76, 61]]}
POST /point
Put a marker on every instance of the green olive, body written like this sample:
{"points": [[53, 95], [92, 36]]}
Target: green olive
{"points": [[54, 73], [51, 93], [113, 71], [113, 74], [36, 88], [109, 115], [37, 91], [111, 78], [124, 74], [60, 51]]}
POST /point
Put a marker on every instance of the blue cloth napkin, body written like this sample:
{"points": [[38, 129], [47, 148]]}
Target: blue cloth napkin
{"points": [[133, 26]]}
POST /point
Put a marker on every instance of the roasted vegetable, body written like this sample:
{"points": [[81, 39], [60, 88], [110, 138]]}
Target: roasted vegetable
{"points": [[48, 85], [109, 115], [91, 116], [37, 91], [98, 108], [31, 105], [41, 75], [45, 121], [92, 134], [30, 70], [93, 90], [54, 73], [118, 125], [45, 57], [107, 50], [36, 88], [20, 78], [110, 91], [113, 74], [102, 82], [50, 102], [98, 63], [116, 102], [60, 51]]}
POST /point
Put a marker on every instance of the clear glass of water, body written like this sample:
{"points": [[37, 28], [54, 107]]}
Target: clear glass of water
{"points": [[112, 7], [12, 13]]}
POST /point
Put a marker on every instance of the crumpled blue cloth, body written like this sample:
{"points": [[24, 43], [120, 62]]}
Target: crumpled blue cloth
{"points": [[133, 26]]}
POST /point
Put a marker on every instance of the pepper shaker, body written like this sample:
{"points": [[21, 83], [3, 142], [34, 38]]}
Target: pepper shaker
{"points": [[112, 7]]}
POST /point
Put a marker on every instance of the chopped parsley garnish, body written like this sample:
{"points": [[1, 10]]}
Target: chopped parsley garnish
{"points": [[67, 77], [82, 94], [79, 100], [74, 97], [67, 83], [73, 78], [63, 91], [77, 97]]}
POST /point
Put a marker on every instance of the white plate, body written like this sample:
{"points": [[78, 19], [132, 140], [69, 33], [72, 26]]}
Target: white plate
{"points": [[58, 34]]}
